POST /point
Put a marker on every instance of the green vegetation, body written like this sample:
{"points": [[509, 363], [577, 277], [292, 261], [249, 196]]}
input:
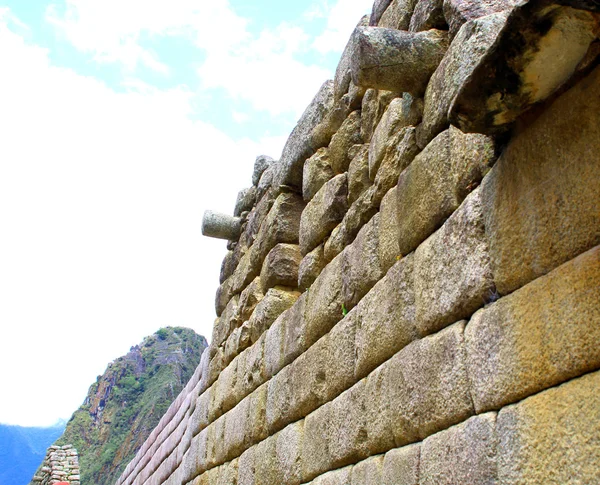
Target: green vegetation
{"points": [[126, 403]]}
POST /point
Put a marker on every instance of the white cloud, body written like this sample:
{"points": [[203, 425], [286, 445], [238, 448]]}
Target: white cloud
{"points": [[101, 199], [342, 17]]}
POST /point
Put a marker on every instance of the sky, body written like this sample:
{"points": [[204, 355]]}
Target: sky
{"points": [[121, 122]]}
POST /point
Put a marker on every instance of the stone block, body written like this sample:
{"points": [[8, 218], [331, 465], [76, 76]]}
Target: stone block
{"points": [[314, 378], [552, 437], [401, 466], [257, 216], [266, 462], [428, 14], [549, 213], [301, 145], [247, 467], [310, 267], [385, 318], [223, 295], [539, 336], [323, 213], [453, 277], [274, 359], [358, 174], [437, 182], [465, 453], [245, 201], [379, 8], [235, 427], [247, 269], [391, 121], [473, 41], [256, 428], [361, 267], [368, 472], [389, 230], [223, 396], [515, 75], [324, 302], [294, 325], [261, 163], [280, 267], [341, 143], [251, 368], [458, 12], [427, 386], [228, 473], [342, 80], [275, 302], [398, 15], [227, 266], [249, 299], [317, 171], [288, 452], [396, 60], [228, 320], [282, 225], [374, 104]]}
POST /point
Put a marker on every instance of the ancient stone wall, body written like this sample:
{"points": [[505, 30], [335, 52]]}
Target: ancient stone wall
{"points": [[61, 466], [414, 294]]}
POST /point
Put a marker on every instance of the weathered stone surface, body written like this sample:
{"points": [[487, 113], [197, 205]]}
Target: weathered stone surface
{"points": [[465, 453], [346, 137], [336, 477], [261, 163], [358, 174], [361, 268], [473, 41], [437, 181], [314, 378], [245, 201], [401, 466], [294, 339], [367, 472], [428, 14], [552, 437], [275, 302], [396, 60], [226, 322], [453, 277], [458, 12], [255, 426], [398, 14], [247, 269], [324, 302], [385, 318], [282, 225], [549, 213], [317, 171], [389, 231], [310, 267], [323, 213], [227, 266], [288, 450], [281, 266], [251, 369], [343, 79], [539, 336], [379, 8], [249, 299], [247, 467], [257, 216], [373, 106], [221, 226], [514, 75], [301, 145]]}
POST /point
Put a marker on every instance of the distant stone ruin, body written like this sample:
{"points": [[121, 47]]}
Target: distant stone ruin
{"points": [[412, 292], [61, 466]]}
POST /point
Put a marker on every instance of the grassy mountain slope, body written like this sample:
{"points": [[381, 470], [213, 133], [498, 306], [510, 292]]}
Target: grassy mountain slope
{"points": [[125, 404]]}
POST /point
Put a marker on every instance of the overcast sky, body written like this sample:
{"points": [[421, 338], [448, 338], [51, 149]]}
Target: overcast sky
{"points": [[121, 121]]}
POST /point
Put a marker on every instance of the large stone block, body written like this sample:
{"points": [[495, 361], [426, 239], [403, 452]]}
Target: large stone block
{"points": [[539, 336], [401, 466], [342, 81], [274, 337], [288, 452], [301, 144], [255, 428], [341, 143], [396, 60], [368, 472], [251, 368], [426, 386], [385, 318], [549, 213], [379, 8], [473, 41], [335, 477], [323, 213], [310, 267], [458, 12], [552, 437], [361, 267], [317, 171], [453, 277], [358, 174], [223, 396], [294, 339], [428, 14], [247, 269], [228, 473], [389, 230], [281, 266], [314, 378], [437, 181], [374, 104], [257, 216], [247, 467], [323, 307], [465, 453], [516, 74], [398, 15], [249, 299], [275, 302]]}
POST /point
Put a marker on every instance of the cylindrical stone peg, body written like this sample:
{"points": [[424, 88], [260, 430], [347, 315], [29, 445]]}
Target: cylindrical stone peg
{"points": [[221, 226], [396, 60]]}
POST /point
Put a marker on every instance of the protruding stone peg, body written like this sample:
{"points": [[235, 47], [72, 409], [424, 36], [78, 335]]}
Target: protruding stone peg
{"points": [[221, 226], [396, 60]]}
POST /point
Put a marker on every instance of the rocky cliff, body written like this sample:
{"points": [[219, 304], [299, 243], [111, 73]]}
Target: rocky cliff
{"points": [[128, 400], [411, 292]]}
